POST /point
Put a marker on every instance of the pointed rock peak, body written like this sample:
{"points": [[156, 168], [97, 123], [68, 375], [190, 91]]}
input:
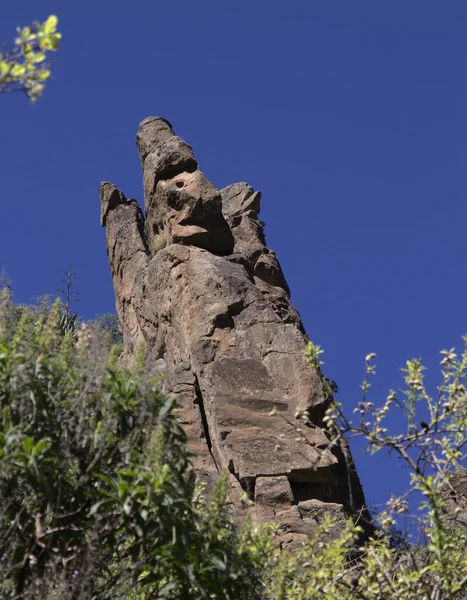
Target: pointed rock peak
{"points": [[106, 188], [149, 120], [195, 280], [152, 132], [238, 199], [110, 197]]}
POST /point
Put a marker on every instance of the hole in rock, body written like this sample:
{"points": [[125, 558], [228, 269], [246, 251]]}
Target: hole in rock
{"points": [[303, 491], [248, 485]]}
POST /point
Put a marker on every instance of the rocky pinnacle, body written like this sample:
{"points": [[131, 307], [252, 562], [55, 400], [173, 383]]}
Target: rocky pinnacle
{"points": [[196, 283]]}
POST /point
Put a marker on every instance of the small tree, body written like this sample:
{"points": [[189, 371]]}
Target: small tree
{"points": [[431, 442], [22, 68]]}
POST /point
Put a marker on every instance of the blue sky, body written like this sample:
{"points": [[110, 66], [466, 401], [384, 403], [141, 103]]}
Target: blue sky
{"points": [[350, 117]]}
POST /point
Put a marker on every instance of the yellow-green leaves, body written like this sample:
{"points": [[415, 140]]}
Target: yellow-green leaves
{"points": [[50, 25], [22, 69], [47, 34], [37, 58]]}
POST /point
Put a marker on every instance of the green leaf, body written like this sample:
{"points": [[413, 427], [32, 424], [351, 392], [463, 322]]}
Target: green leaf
{"points": [[27, 50], [125, 473], [40, 447], [37, 58], [42, 75], [18, 70], [28, 444], [123, 488], [50, 25]]}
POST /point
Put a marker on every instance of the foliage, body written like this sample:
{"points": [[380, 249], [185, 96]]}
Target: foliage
{"points": [[109, 322], [22, 69], [161, 240], [97, 497], [69, 318], [434, 452]]}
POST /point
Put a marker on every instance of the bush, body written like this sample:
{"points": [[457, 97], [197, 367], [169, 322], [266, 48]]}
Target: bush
{"points": [[401, 566], [97, 495], [98, 499]]}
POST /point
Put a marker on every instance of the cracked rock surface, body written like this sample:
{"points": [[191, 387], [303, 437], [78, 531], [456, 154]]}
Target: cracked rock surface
{"points": [[196, 283]]}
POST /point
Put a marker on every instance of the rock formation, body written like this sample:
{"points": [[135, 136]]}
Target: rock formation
{"points": [[196, 283], [454, 496]]}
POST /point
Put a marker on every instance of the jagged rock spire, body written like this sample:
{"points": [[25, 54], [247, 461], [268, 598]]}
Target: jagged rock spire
{"points": [[195, 281]]}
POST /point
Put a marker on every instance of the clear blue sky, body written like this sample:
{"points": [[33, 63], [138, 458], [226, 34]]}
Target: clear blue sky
{"points": [[350, 116]]}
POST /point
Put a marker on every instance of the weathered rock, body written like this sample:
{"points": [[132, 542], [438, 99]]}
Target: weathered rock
{"points": [[181, 205], [195, 281], [240, 206]]}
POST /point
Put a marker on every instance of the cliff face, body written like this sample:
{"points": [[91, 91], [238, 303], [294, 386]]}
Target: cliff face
{"points": [[196, 283]]}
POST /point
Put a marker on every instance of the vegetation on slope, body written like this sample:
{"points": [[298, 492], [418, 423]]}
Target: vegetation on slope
{"points": [[97, 496], [98, 499]]}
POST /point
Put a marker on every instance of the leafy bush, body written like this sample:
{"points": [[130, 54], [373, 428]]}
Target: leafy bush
{"points": [[109, 322], [434, 453], [97, 497]]}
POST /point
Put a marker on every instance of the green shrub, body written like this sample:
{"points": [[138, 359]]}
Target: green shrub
{"points": [[97, 496], [98, 499]]}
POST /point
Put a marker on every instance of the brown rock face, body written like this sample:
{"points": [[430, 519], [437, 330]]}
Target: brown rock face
{"points": [[196, 283], [454, 495]]}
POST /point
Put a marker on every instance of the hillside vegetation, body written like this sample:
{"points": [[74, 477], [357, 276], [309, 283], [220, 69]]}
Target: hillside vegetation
{"points": [[98, 498]]}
